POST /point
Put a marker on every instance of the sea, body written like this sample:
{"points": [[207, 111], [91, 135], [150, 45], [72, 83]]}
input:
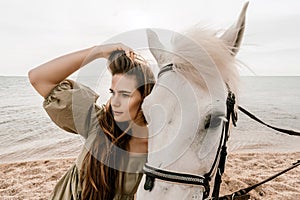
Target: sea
{"points": [[27, 133]]}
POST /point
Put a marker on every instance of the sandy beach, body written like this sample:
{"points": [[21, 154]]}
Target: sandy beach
{"points": [[36, 179]]}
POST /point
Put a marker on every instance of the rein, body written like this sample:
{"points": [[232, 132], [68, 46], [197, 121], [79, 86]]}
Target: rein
{"points": [[289, 132], [221, 167], [241, 194], [153, 173]]}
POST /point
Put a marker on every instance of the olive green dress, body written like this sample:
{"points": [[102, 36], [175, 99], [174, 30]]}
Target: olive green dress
{"points": [[72, 106]]}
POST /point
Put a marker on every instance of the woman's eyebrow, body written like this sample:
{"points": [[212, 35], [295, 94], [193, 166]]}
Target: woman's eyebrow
{"points": [[124, 91], [121, 91]]}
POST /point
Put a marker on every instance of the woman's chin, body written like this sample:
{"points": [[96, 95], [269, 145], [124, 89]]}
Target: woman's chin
{"points": [[120, 119]]}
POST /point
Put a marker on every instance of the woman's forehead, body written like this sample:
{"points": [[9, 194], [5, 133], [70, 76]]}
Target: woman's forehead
{"points": [[123, 82]]}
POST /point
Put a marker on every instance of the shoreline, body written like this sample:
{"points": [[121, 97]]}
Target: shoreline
{"points": [[36, 179]]}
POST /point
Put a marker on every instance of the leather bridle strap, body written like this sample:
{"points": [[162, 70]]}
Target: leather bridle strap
{"points": [[289, 132], [244, 191], [231, 116], [164, 69], [173, 176], [153, 172]]}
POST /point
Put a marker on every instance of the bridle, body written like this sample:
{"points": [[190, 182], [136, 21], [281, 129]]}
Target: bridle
{"points": [[153, 173]]}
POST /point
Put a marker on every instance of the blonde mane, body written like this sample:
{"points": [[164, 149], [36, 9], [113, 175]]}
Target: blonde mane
{"points": [[203, 47]]}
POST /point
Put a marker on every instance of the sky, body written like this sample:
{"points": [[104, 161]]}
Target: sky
{"points": [[35, 31]]}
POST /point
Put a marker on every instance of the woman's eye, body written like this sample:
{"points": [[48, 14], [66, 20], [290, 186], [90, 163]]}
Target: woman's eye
{"points": [[213, 121], [125, 95]]}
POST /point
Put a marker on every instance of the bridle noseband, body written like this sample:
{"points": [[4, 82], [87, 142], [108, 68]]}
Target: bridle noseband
{"points": [[153, 173]]}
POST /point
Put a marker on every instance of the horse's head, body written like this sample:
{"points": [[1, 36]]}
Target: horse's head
{"points": [[187, 106]]}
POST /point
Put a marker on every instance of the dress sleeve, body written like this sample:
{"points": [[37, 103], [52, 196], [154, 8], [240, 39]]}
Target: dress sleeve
{"points": [[72, 107]]}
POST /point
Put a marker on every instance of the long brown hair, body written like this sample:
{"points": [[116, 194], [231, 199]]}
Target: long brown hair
{"points": [[100, 166]]}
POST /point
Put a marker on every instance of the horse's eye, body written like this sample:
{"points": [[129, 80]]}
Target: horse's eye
{"points": [[212, 121]]}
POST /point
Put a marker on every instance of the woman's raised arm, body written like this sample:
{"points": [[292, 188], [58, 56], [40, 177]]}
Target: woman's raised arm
{"points": [[46, 76]]}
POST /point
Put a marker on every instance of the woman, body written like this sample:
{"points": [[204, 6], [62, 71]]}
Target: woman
{"points": [[109, 166]]}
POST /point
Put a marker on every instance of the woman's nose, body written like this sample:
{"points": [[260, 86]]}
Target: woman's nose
{"points": [[115, 101]]}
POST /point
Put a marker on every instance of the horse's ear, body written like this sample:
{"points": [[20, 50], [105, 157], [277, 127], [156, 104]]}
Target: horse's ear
{"points": [[157, 49], [233, 36]]}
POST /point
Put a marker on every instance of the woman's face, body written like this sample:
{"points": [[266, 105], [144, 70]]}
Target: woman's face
{"points": [[125, 98]]}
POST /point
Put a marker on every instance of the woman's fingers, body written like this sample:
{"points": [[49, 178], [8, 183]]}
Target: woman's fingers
{"points": [[131, 55], [129, 51], [107, 49]]}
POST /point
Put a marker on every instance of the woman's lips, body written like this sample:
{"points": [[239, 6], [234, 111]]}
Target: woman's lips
{"points": [[117, 113]]}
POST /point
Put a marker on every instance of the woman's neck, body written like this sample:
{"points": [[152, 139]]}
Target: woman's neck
{"points": [[139, 131], [139, 140]]}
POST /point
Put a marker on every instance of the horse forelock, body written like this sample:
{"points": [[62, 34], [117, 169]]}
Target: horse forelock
{"points": [[215, 53]]}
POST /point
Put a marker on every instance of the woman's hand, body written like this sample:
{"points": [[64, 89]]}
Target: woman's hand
{"points": [[104, 51]]}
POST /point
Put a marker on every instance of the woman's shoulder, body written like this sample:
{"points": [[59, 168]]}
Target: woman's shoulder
{"points": [[72, 106], [70, 90]]}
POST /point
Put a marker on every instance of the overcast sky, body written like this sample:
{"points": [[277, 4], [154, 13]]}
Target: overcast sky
{"points": [[35, 31]]}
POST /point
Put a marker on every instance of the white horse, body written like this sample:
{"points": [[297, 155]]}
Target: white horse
{"points": [[186, 111]]}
